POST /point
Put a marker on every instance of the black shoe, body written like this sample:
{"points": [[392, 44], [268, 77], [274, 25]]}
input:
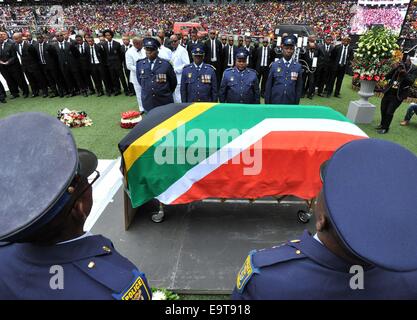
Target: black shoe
{"points": [[383, 131], [85, 94], [320, 95], [131, 94], [337, 95], [3, 101], [118, 93], [14, 97], [73, 94], [126, 93], [53, 95], [26, 95], [108, 94], [92, 92], [99, 94], [379, 127], [328, 95], [310, 97], [34, 95]]}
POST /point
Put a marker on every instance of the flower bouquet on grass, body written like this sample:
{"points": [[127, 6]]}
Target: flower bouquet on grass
{"points": [[74, 119], [164, 294], [130, 119], [375, 55]]}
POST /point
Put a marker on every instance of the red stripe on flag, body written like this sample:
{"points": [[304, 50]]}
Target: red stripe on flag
{"points": [[290, 166]]}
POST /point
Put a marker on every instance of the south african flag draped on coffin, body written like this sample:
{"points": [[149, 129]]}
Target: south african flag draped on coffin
{"points": [[181, 153]]}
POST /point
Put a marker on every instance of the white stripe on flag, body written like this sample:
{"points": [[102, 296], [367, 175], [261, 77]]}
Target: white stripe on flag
{"points": [[248, 138]]}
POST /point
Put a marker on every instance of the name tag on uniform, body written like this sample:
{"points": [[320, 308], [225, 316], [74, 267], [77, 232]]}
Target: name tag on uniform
{"points": [[161, 78], [206, 78], [294, 76]]}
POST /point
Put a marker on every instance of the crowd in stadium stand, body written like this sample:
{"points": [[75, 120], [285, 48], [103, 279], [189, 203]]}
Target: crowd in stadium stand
{"points": [[410, 25], [325, 16]]}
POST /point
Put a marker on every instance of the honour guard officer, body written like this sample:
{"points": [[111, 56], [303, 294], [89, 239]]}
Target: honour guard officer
{"points": [[240, 84], [156, 77], [46, 196], [285, 81], [198, 81], [363, 247]]}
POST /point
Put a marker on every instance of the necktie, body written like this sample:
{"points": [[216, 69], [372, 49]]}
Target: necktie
{"points": [[327, 49], [62, 46], [92, 55], [343, 60], [152, 65], [311, 55], [287, 64], [41, 51], [20, 49], [109, 46]]}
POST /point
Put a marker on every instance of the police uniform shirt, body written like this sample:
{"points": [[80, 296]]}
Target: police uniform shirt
{"points": [[90, 266], [158, 81], [199, 83], [239, 86], [305, 269], [284, 83]]}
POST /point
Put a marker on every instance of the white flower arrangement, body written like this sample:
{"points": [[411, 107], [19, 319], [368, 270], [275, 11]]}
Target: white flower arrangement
{"points": [[74, 118]]}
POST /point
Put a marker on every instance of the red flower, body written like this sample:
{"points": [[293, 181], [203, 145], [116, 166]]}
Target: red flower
{"points": [[377, 78], [362, 78], [369, 78], [356, 75], [382, 77]]}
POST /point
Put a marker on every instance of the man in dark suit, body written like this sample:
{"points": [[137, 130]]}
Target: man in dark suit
{"points": [[84, 64], [69, 65], [114, 63], [192, 43], [229, 53], [12, 70], [96, 59], [213, 53], [343, 55], [309, 60], [264, 58], [251, 51], [48, 65], [30, 65], [325, 65], [126, 72], [401, 78]]}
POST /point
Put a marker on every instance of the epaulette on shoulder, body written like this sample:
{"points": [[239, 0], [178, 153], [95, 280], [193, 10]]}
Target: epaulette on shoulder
{"points": [[229, 69], [274, 255], [263, 258], [164, 60], [142, 60], [210, 66]]}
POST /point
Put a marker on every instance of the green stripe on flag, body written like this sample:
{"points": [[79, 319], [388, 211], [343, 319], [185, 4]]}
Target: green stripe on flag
{"points": [[147, 179]]}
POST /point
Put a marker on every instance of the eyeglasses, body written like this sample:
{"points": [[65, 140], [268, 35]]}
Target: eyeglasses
{"points": [[174, 40]]}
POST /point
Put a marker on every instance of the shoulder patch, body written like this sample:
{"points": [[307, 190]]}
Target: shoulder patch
{"points": [[136, 290], [245, 273], [278, 254]]}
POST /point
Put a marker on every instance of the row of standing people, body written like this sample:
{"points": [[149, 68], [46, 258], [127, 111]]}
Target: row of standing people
{"points": [[64, 66]]}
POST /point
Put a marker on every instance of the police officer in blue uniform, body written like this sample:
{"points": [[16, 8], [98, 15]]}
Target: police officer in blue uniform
{"points": [[45, 198], [240, 84], [156, 77], [198, 80], [285, 81], [365, 242]]}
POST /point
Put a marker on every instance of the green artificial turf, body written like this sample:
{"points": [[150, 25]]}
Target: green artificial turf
{"points": [[103, 137]]}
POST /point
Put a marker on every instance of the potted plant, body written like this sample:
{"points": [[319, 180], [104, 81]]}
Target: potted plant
{"points": [[373, 59], [376, 53]]}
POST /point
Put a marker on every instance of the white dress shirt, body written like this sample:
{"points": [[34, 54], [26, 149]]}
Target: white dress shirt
{"points": [[165, 53], [132, 56], [179, 60]]}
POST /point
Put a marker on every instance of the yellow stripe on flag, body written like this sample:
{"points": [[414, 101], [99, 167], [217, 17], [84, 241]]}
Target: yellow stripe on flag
{"points": [[143, 143]]}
